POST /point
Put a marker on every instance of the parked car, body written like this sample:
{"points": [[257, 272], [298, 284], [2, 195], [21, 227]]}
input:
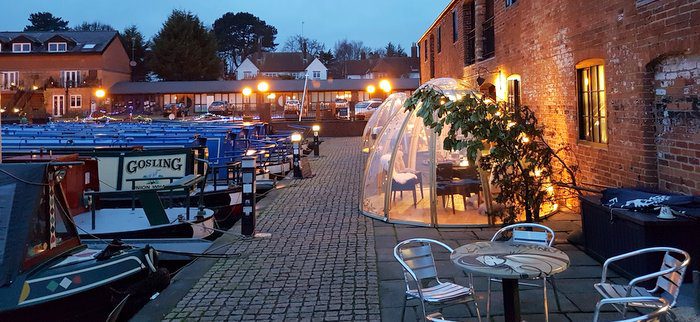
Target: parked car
{"points": [[177, 109], [219, 107]]}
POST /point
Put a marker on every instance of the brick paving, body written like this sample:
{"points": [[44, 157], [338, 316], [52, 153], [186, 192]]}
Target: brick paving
{"points": [[326, 261], [319, 263]]}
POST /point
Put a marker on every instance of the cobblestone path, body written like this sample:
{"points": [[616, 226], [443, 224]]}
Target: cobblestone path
{"points": [[319, 264]]}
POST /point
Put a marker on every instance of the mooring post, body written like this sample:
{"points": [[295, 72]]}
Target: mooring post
{"points": [[316, 128], [248, 172], [296, 153]]}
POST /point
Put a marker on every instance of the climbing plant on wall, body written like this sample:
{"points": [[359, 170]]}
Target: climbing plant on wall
{"points": [[505, 140]]}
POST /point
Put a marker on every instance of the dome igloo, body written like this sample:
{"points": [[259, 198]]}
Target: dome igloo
{"points": [[380, 117], [409, 178]]}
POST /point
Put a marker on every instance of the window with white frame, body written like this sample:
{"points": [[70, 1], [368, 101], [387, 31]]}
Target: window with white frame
{"points": [[248, 75], [58, 47], [76, 101], [70, 78], [9, 80], [22, 47], [317, 74]]}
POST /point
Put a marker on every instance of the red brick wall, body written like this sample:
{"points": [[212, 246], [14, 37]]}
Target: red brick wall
{"points": [[543, 40]]}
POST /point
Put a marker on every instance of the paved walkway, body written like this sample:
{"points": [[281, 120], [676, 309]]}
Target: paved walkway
{"points": [[326, 261], [319, 262]]}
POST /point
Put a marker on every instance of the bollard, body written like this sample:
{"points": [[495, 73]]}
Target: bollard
{"points": [[316, 129], [248, 175], [296, 152]]}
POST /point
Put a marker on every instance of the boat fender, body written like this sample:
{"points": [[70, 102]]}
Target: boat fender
{"points": [[151, 258]]}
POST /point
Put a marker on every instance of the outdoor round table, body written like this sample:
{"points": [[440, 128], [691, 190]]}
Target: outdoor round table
{"points": [[510, 262]]}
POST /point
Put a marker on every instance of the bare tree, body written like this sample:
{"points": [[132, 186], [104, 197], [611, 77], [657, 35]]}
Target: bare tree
{"points": [[350, 50], [296, 43]]}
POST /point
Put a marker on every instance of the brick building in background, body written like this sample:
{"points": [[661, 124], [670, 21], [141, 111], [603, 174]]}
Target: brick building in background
{"points": [[59, 72], [619, 80]]}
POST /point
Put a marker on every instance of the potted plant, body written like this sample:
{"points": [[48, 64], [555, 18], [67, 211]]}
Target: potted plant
{"points": [[505, 140]]}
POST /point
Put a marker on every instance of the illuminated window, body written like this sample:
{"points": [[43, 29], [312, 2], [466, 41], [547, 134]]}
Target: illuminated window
{"points": [[514, 90], [592, 108]]}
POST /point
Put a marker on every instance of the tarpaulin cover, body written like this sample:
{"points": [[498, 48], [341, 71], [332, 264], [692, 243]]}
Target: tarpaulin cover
{"points": [[646, 201], [21, 189]]}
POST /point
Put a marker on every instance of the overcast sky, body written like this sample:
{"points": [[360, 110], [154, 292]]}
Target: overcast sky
{"points": [[375, 22]]}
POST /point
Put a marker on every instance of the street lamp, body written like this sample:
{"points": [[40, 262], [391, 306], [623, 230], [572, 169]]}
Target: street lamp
{"points": [[385, 85], [263, 87], [247, 91], [100, 93], [370, 90]]}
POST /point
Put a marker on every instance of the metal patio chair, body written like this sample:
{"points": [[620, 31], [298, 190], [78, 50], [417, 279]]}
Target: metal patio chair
{"points": [[668, 279], [420, 275], [662, 310], [527, 233]]}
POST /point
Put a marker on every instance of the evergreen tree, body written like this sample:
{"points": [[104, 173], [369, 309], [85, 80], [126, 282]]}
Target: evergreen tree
{"points": [[184, 50], [240, 34], [392, 50], [45, 21]]}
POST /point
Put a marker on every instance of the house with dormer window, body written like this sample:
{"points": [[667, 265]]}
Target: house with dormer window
{"points": [[59, 72], [282, 65]]}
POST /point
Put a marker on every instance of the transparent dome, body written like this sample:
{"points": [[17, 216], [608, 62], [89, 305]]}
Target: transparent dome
{"points": [[379, 118], [409, 177]]}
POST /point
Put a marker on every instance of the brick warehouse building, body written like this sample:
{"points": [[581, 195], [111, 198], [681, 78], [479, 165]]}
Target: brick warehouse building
{"points": [[617, 80]]}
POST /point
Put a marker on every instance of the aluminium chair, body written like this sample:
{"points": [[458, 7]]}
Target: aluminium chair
{"points": [[662, 308], [422, 282], [668, 279], [527, 233]]}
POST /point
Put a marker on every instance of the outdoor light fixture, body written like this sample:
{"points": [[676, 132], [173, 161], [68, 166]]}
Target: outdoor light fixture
{"points": [[385, 85], [316, 128], [371, 89], [16, 110], [263, 87], [100, 93], [247, 91], [35, 87], [296, 155]]}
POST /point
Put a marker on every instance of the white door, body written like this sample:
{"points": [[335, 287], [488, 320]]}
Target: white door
{"points": [[59, 105]]}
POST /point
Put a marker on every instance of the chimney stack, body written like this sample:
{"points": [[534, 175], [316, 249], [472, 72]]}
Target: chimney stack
{"points": [[363, 55], [414, 50]]}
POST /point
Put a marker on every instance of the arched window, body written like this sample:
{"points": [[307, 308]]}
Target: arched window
{"points": [[592, 106]]}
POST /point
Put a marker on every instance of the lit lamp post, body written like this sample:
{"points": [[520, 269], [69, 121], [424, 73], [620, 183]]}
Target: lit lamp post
{"points": [[316, 128], [247, 91], [296, 152], [370, 90], [264, 111], [100, 94], [385, 85]]}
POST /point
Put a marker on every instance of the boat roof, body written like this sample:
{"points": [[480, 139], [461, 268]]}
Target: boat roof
{"points": [[21, 189]]}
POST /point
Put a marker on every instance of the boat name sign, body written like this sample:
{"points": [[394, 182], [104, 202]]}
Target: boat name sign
{"points": [[174, 164]]}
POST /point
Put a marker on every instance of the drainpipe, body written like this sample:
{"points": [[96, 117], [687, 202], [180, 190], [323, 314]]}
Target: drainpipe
{"points": [[479, 12]]}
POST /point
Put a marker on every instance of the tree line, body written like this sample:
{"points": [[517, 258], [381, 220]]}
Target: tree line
{"points": [[186, 49]]}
